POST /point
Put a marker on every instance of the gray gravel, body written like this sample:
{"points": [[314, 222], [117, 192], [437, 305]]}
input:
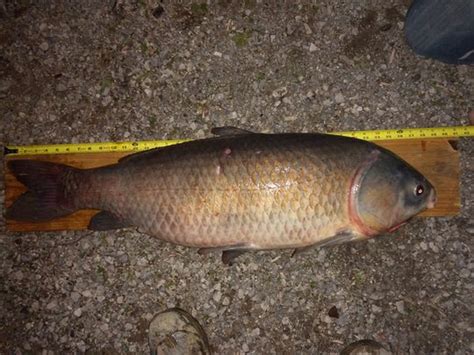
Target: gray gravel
{"points": [[125, 70]]}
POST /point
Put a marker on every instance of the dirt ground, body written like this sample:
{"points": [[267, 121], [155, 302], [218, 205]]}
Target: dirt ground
{"points": [[89, 71]]}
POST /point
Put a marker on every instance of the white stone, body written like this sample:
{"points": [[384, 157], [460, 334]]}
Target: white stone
{"points": [[78, 312]]}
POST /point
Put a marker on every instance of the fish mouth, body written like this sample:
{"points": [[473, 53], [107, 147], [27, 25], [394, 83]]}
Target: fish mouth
{"points": [[432, 199]]}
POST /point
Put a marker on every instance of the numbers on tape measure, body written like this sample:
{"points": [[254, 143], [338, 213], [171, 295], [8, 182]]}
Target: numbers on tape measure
{"points": [[435, 132]]}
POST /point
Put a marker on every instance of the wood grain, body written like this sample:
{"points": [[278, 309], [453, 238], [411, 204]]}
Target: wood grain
{"points": [[437, 159]]}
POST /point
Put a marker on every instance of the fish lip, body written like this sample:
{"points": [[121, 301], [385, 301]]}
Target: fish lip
{"points": [[432, 199]]}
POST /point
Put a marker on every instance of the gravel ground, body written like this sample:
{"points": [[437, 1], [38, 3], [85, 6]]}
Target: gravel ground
{"points": [[73, 71]]}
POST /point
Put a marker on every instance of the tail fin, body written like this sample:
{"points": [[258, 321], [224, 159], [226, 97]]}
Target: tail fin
{"points": [[46, 196]]}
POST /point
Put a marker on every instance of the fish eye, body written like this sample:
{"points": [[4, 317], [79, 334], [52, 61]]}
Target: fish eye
{"points": [[419, 190]]}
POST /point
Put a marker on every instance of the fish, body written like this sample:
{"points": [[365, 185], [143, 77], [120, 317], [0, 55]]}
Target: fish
{"points": [[236, 191]]}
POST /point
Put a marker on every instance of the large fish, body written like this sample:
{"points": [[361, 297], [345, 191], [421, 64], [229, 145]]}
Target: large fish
{"points": [[236, 192]]}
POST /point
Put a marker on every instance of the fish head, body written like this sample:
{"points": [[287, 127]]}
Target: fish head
{"points": [[386, 193]]}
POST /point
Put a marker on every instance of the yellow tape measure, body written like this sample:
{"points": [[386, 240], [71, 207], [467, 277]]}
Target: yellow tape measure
{"points": [[375, 135]]}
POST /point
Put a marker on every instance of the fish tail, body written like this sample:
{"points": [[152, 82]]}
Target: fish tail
{"points": [[50, 191]]}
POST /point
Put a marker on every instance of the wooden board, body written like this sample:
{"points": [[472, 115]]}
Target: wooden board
{"points": [[437, 159]]}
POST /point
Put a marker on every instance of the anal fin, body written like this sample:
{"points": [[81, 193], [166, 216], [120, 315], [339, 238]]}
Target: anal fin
{"points": [[229, 253], [105, 220]]}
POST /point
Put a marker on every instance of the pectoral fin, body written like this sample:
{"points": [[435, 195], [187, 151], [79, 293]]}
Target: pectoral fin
{"points": [[104, 220], [340, 238]]}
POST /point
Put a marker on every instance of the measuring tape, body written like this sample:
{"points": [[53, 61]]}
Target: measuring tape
{"points": [[375, 135]]}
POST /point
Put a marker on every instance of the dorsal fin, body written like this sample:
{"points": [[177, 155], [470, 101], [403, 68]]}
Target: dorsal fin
{"points": [[229, 131]]}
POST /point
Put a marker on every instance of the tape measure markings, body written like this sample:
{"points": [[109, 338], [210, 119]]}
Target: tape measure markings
{"points": [[372, 135]]}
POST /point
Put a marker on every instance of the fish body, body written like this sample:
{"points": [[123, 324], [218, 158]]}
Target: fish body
{"points": [[239, 191]]}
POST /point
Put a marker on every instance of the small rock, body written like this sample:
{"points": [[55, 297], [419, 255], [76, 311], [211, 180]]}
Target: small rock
{"points": [[218, 54], [255, 332], [85, 245], [148, 316], [104, 327], [470, 230], [51, 305], [128, 326], [142, 262], [75, 296], [108, 99], [200, 133], [123, 258], [307, 29], [424, 246], [87, 293], [120, 299], [376, 309], [280, 92], [18, 275], [313, 48], [217, 296], [61, 87], [434, 247], [400, 306], [376, 296], [245, 348], [44, 46], [81, 346], [326, 319], [78, 312], [286, 100], [290, 29], [339, 98], [226, 301], [110, 239]]}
